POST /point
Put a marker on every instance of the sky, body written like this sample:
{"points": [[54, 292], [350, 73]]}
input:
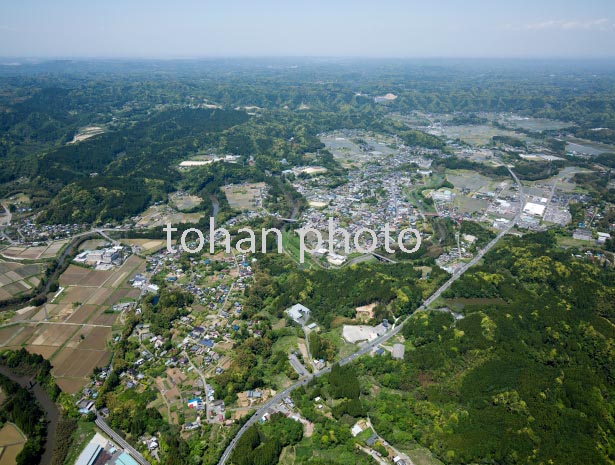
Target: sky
{"points": [[338, 28]]}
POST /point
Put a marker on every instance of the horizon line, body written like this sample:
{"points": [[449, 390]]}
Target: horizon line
{"points": [[302, 57]]}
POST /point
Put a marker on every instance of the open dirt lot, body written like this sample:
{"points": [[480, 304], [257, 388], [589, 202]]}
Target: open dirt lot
{"points": [[184, 201], [51, 335], [247, 196]]}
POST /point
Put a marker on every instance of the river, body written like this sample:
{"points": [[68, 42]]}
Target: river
{"points": [[46, 404]]}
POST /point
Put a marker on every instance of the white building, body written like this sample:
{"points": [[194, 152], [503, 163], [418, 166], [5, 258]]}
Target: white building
{"points": [[299, 313], [534, 209]]}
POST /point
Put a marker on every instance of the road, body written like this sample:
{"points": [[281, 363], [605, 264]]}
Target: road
{"points": [[202, 376], [106, 236], [5, 220], [297, 366], [60, 323], [120, 441], [374, 343]]}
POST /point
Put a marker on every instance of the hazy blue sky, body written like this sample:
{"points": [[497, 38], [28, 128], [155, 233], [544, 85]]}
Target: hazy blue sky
{"points": [[389, 28]]}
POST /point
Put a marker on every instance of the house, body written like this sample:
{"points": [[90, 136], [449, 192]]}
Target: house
{"points": [[195, 403], [603, 237], [190, 426], [85, 406], [299, 313], [582, 235], [370, 441], [152, 444], [356, 430], [153, 288]]}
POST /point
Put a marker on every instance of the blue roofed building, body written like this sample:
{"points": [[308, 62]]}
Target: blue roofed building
{"points": [[125, 459]]}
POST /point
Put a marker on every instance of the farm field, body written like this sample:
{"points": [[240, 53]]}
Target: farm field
{"points": [[74, 328], [40, 252], [476, 135], [147, 246], [17, 278], [12, 441]]}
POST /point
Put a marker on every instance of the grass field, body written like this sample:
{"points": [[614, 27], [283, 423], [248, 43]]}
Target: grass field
{"points": [[291, 242], [286, 344], [159, 215]]}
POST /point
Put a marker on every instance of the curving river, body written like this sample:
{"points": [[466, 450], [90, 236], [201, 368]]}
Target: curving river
{"points": [[46, 404]]}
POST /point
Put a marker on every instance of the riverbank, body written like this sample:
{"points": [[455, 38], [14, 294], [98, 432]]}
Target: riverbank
{"points": [[51, 410]]}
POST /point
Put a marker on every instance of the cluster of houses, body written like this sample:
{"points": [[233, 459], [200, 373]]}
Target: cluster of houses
{"points": [[139, 281], [32, 232], [374, 194]]}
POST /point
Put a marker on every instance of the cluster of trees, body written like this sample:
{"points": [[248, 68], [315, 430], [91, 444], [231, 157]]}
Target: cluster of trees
{"points": [[415, 138], [262, 444], [21, 408], [343, 382], [454, 163], [321, 347], [246, 370], [510, 141], [25, 363], [333, 293], [160, 311], [92, 175], [63, 439], [597, 184]]}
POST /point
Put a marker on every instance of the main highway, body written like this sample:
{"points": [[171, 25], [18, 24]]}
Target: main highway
{"points": [[385, 337]]}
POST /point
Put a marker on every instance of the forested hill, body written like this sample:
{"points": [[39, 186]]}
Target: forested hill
{"points": [[120, 173], [154, 113], [528, 376]]}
